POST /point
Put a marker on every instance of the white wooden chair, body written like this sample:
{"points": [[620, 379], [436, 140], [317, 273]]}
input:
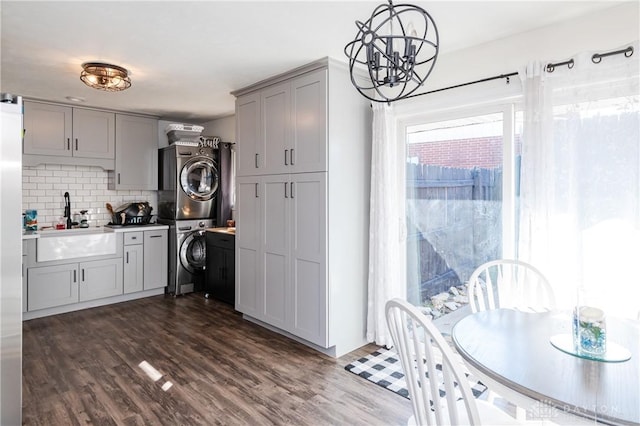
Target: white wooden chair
{"points": [[420, 346], [511, 284]]}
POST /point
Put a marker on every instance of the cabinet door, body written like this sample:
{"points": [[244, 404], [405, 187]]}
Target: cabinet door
{"points": [[136, 153], [249, 294], [156, 267], [309, 122], [228, 274], [275, 254], [24, 276], [50, 286], [248, 136], [308, 264], [48, 129], [132, 269], [276, 116], [93, 134], [100, 278]]}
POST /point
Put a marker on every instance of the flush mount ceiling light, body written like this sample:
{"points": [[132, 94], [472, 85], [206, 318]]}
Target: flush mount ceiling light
{"points": [[398, 46], [111, 78]]}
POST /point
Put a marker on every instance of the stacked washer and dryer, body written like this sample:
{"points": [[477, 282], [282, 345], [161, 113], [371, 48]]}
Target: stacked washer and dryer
{"points": [[194, 194]]}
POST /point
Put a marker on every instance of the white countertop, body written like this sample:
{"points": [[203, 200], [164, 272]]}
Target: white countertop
{"points": [[132, 228], [28, 235]]}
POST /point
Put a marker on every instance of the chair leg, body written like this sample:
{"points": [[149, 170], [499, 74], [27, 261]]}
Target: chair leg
{"points": [[521, 413]]}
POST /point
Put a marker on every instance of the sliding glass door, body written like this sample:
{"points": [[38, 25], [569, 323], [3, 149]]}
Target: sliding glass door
{"points": [[460, 192]]}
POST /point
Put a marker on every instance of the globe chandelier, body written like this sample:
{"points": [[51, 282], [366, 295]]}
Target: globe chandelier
{"points": [[398, 45]]}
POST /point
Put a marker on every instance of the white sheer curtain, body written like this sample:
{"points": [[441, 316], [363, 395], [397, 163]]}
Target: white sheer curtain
{"points": [[580, 178], [387, 268]]}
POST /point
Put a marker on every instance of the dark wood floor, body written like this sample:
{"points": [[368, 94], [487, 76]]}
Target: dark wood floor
{"points": [[83, 368]]}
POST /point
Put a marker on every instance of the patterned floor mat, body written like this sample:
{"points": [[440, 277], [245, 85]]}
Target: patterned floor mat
{"points": [[383, 368]]}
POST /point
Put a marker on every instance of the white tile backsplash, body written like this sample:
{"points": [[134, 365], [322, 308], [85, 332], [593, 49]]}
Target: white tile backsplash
{"points": [[43, 189]]}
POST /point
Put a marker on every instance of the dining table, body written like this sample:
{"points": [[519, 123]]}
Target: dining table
{"points": [[517, 355]]}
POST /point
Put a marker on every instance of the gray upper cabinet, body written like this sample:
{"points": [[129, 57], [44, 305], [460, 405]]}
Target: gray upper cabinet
{"points": [[136, 164], [282, 128], [276, 132], [48, 129], [60, 134], [308, 148], [250, 144], [93, 134]]}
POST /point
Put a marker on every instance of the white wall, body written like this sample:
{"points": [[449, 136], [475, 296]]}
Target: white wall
{"points": [[224, 127], [43, 188], [602, 31]]}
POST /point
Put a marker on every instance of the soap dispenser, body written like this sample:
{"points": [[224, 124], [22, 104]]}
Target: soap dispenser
{"points": [[84, 220]]}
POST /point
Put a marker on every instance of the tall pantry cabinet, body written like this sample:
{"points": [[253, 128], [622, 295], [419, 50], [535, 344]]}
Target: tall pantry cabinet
{"points": [[302, 206]]}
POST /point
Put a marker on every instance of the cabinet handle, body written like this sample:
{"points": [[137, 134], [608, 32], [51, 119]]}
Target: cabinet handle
{"points": [[118, 178], [155, 236], [256, 190], [127, 257], [285, 157], [76, 144], [285, 191], [256, 160], [82, 274], [291, 157], [74, 276], [292, 195], [68, 144]]}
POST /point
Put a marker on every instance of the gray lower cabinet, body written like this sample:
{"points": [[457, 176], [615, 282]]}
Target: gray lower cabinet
{"points": [[156, 266], [145, 260], [100, 278], [133, 261], [132, 269], [50, 286], [138, 268]]}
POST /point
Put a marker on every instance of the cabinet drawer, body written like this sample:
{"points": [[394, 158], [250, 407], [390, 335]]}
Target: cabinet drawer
{"points": [[133, 238], [217, 239]]}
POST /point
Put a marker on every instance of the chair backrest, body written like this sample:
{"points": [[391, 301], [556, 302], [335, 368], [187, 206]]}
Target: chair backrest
{"points": [[421, 347], [507, 283]]}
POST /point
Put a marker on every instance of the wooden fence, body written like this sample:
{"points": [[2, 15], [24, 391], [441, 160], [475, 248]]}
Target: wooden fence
{"points": [[454, 224]]}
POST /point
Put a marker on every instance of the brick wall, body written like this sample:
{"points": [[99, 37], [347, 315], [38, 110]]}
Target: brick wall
{"points": [[463, 153], [43, 189]]}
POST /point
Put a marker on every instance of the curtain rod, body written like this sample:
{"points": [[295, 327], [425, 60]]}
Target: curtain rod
{"points": [[596, 59], [496, 77]]}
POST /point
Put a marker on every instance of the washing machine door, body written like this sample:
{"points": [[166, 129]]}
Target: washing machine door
{"points": [[193, 252], [199, 178]]}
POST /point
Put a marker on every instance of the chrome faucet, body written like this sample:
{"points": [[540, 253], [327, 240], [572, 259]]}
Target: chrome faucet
{"points": [[67, 209]]}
